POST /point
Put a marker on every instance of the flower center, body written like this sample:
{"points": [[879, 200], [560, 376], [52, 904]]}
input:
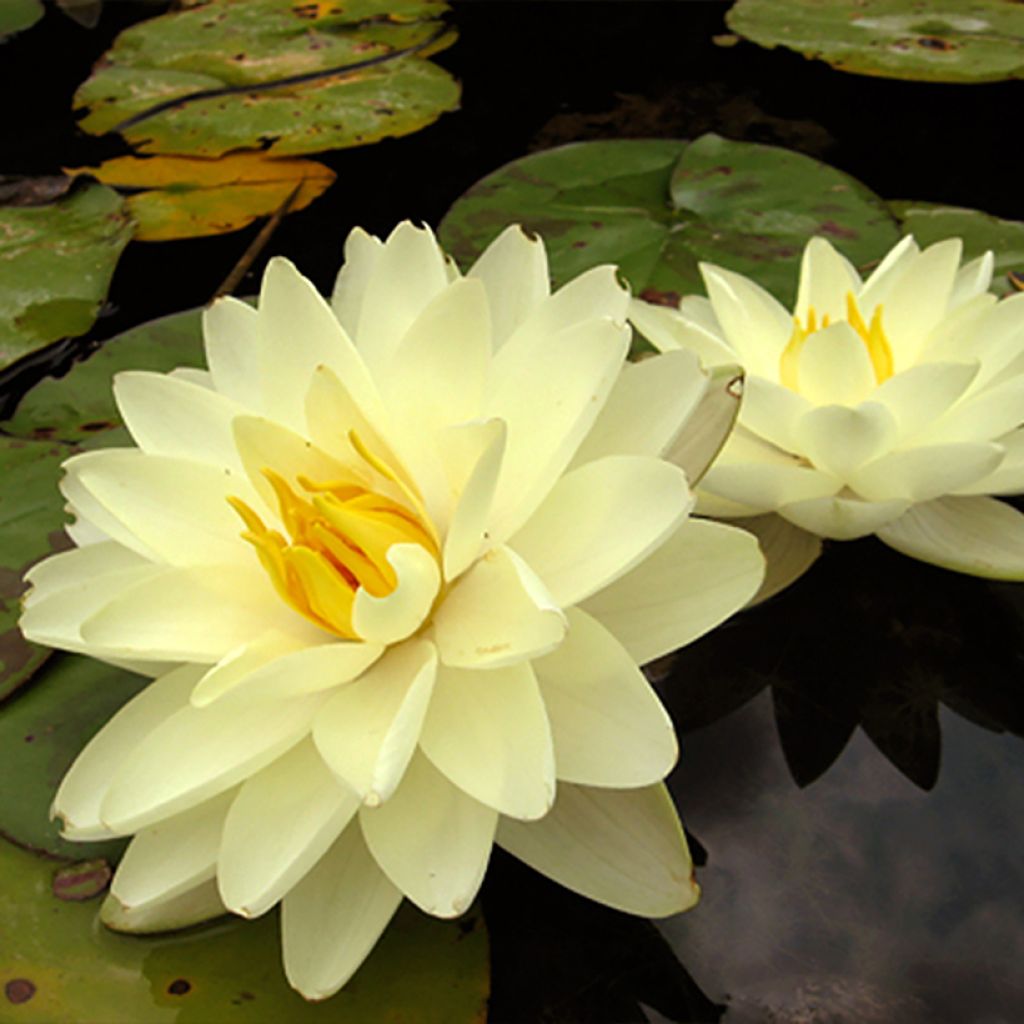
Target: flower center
{"points": [[339, 534], [871, 334]]}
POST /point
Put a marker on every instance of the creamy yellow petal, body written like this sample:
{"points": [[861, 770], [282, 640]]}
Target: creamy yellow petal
{"points": [[78, 566], [788, 552], [1008, 476], [170, 416], [388, 619], [921, 395], [976, 535], [86, 782], [367, 731], [488, 733], [647, 408], [668, 330], [173, 856], [432, 840], [834, 367], [623, 848], [920, 474], [197, 753], [826, 278], [838, 439], [768, 485], [194, 906], [599, 521], [232, 340], [362, 250], [842, 518], [332, 919], [772, 411], [282, 822], [702, 574], [608, 726], [237, 666], [497, 613], [883, 278], [972, 279], [514, 272], [984, 416]]}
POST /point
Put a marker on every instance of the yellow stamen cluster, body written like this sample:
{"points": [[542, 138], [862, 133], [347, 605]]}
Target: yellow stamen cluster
{"points": [[339, 534], [871, 334]]}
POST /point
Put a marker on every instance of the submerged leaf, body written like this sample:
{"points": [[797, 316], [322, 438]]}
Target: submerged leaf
{"points": [[56, 262], [187, 197], [656, 208], [944, 41], [293, 78]]}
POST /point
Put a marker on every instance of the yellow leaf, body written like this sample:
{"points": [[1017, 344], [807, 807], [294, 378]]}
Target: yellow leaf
{"points": [[186, 197]]}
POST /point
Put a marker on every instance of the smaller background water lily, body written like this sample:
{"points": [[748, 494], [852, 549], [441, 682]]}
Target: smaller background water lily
{"points": [[888, 406]]}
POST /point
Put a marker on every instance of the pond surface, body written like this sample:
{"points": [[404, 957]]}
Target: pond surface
{"points": [[852, 770]]}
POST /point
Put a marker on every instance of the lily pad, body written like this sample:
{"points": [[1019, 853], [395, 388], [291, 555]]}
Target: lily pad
{"points": [[187, 197], [18, 15], [932, 222], [41, 733], [658, 208], [289, 77], [56, 262], [941, 41], [60, 964]]}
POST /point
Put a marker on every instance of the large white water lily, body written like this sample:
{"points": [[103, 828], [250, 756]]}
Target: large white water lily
{"points": [[393, 561], [889, 406]]}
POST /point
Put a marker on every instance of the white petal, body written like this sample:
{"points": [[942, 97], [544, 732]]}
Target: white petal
{"points": [[919, 299], [362, 251], [702, 574], [368, 730], [83, 787], [647, 407], [669, 329], [708, 427], [173, 856], [599, 521], [467, 531], [195, 614], [175, 508], [788, 552], [919, 396], [976, 535], [826, 278], [431, 839], [608, 726], [170, 416], [772, 411], [834, 366], [514, 273], [920, 474], [231, 334], [282, 822], [199, 752], [388, 619], [549, 403], [756, 326], [280, 665], [838, 439], [497, 613], [623, 848], [407, 273], [489, 734], [842, 518], [298, 332], [199, 904]]}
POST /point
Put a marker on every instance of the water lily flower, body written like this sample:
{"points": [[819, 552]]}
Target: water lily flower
{"points": [[393, 562], [890, 406]]}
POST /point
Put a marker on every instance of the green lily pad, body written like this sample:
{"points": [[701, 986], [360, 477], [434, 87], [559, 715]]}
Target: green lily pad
{"points": [[941, 41], [41, 732], [223, 75], [932, 222], [657, 208], [31, 517], [56, 262], [60, 963], [18, 15]]}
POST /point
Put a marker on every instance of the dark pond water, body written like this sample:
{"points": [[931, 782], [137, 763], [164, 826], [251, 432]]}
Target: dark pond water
{"points": [[852, 766]]}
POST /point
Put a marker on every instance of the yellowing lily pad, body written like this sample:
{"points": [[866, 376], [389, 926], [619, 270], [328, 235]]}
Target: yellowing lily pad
{"points": [[56, 262], [656, 208], [60, 964], [938, 41], [187, 197], [291, 77], [932, 222]]}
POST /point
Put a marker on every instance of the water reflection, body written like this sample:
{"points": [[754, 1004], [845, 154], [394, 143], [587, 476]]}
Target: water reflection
{"points": [[860, 898], [867, 638]]}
